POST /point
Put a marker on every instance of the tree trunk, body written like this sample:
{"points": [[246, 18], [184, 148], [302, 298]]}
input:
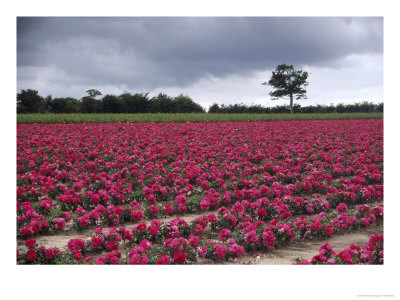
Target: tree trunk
{"points": [[291, 103]]}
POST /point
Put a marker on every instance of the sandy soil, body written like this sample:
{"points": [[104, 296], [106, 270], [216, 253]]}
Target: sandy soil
{"points": [[286, 255], [308, 248], [61, 239]]}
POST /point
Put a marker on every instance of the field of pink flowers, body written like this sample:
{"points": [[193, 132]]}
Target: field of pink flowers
{"points": [[196, 193]]}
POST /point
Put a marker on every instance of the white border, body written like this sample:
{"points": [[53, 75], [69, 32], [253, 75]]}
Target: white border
{"points": [[246, 282]]}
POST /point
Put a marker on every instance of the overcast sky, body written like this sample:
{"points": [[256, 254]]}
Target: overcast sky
{"points": [[222, 60]]}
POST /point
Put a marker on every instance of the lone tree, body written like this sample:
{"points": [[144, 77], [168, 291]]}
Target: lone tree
{"points": [[93, 93], [288, 82]]}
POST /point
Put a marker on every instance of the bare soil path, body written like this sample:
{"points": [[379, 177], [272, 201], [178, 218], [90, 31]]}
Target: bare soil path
{"points": [[284, 255], [308, 248], [61, 239]]}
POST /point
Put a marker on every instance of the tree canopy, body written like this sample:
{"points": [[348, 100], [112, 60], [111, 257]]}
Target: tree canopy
{"points": [[288, 82], [93, 93], [29, 101]]}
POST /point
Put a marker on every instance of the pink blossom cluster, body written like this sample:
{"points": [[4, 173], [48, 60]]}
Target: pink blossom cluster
{"points": [[254, 185], [38, 255], [370, 253]]}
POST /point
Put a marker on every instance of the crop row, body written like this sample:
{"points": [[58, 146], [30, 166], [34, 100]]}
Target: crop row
{"points": [[208, 237], [370, 253], [97, 175]]}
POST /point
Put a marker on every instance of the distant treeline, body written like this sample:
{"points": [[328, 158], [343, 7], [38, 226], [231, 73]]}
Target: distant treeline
{"points": [[258, 109], [29, 101]]}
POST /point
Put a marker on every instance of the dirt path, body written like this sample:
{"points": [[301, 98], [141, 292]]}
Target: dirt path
{"points": [[285, 255], [307, 249], [61, 239]]}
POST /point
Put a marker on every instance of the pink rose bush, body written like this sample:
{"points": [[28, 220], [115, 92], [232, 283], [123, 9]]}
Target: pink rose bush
{"points": [[251, 186], [371, 253], [36, 254]]}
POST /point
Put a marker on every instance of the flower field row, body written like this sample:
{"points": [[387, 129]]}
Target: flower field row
{"points": [[228, 236], [371, 253], [253, 186]]}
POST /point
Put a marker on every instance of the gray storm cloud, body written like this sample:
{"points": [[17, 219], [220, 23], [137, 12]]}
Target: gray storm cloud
{"points": [[212, 59], [146, 53]]}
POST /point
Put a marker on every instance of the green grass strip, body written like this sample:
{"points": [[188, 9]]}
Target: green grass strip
{"points": [[192, 117]]}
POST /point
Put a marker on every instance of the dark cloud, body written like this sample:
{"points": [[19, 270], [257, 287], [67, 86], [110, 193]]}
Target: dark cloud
{"points": [[148, 52]]}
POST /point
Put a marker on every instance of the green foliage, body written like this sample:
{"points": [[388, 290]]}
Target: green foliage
{"points": [[29, 101], [214, 109], [56, 212], [135, 103], [359, 107], [63, 105], [93, 93], [288, 82], [162, 103], [64, 259], [185, 104], [192, 117], [88, 105], [111, 104]]}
